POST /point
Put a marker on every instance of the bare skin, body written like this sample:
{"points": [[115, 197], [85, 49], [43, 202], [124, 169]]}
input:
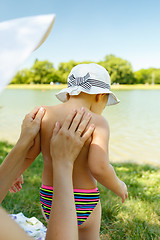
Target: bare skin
{"points": [[62, 165], [13, 163], [63, 212], [92, 163]]}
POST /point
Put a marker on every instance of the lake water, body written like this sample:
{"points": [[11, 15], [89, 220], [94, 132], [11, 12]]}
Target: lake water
{"points": [[134, 122]]}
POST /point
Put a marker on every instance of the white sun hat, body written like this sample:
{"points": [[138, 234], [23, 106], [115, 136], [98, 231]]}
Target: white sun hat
{"points": [[89, 78]]}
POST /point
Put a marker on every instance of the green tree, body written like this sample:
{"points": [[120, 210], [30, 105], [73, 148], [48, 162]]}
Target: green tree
{"points": [[156, 76], [41, 72], [119, 69], [150, 75], [64, 68], [22, 77]]}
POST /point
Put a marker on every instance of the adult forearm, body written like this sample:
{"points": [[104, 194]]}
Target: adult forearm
{"points": [[11, 166], [10, 229], [63, 221]]}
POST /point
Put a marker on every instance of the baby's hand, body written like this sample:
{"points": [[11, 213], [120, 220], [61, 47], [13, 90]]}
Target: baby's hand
{"points": [[17, 185], [124, 193]]}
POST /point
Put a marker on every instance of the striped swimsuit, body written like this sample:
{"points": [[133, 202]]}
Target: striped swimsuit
{"points": [[85, 201]]}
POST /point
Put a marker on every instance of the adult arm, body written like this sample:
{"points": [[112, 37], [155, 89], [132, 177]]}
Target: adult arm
{"points": [[13, 163], [30, 156], [10, 230]]}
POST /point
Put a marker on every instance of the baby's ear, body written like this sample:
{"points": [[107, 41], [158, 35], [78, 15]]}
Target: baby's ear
{"points": [[68, 96], [98, 96]]}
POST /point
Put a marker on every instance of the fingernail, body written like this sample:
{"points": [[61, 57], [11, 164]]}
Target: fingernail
{"points": [[74, 110], [41, 109], [88, 115], [82, 109], [57, 124], [92, 125]]}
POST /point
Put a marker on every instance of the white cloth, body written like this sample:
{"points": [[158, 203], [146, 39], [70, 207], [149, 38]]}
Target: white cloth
{"points": [[18, 39], [32, 226]]}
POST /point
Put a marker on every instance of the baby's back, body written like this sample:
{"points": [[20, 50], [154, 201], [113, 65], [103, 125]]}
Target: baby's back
{"points": [[82, 177]]}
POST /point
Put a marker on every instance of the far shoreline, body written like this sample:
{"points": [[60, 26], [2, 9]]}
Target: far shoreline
{"points": [[61, 86]]}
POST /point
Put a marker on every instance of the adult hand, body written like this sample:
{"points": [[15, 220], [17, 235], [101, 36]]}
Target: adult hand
{"points": [[67, 142], [31, 125]]}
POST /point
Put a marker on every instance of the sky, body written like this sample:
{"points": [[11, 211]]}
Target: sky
{"points": [[88, 30]]}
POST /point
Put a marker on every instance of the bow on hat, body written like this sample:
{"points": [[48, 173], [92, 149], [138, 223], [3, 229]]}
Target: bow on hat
{"points": [[86, 82], [80, 81]]}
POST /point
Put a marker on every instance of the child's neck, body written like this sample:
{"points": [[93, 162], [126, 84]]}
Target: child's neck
{"points": [[79, 102], [86, 102]]}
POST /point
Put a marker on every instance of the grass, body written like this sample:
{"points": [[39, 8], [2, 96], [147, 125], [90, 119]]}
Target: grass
{"points": [[61, 86], [138, 218]]}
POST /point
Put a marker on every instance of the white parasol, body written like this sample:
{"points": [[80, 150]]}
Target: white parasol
{"points": [[18, 39]]}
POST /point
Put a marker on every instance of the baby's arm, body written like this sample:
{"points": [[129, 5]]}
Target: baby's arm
{"points": [[98, 161]]}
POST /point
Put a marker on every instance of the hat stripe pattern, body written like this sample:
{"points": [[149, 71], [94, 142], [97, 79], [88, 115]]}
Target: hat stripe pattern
{"points": [[86, 82]]}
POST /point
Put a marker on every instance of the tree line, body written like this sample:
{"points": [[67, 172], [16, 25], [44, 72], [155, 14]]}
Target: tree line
{"points": [[120, 70]]}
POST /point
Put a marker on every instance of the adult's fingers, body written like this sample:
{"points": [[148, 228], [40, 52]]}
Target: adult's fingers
{"points": [[83, 124], [39, 114], [88, 133], [76, 121], [56, 129], [33, 113], [69, 119]]}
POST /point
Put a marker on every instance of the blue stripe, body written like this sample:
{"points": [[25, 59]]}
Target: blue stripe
{"points": [[45, 201], [83, 197], [79, 223], [83, 214], [46, 193], [88, 206]]}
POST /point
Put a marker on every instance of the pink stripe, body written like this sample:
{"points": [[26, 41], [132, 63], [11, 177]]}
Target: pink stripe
{"points": [[75, 190], [47, 187], [86, 190], [84, 209], [83, 217], [46, 211], [44, 195], [46, 204], [85, 200]]}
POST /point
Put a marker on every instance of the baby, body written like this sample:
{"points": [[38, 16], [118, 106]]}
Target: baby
{"points": [[88, 89]]}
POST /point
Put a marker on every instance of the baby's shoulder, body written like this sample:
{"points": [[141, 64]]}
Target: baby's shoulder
{"points": [[51, 111], [52, 114], [101, 122], [101, 133]]}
